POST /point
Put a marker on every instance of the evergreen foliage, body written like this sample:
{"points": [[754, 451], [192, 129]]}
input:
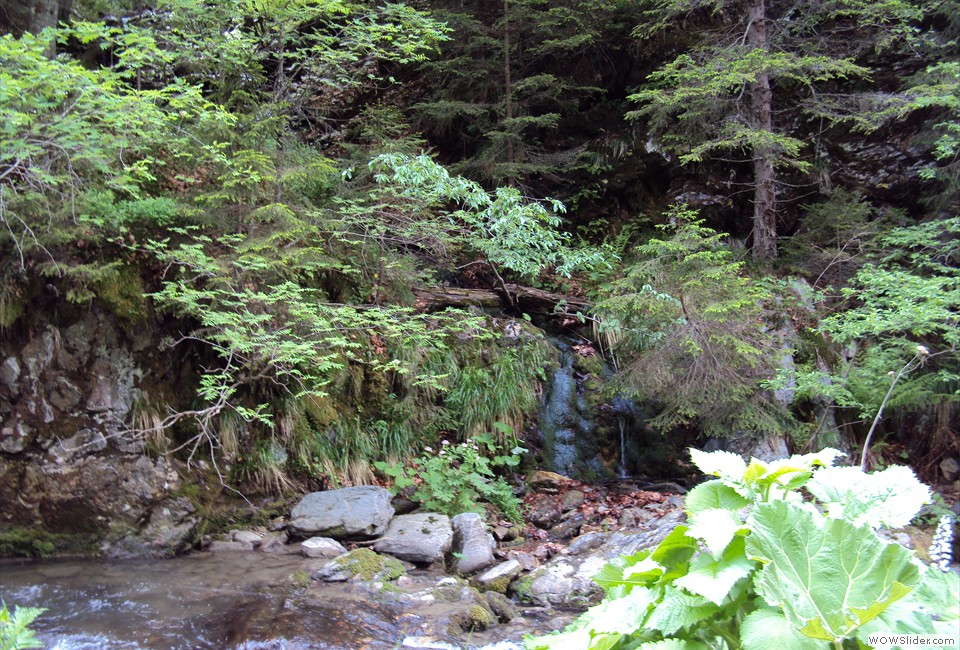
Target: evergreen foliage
{"points": [[690, 332]]}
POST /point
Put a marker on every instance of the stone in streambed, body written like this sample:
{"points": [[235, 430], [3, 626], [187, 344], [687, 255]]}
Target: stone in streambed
{"points": [[323, 547], [472, 545], [423, 538], [359, 512]]}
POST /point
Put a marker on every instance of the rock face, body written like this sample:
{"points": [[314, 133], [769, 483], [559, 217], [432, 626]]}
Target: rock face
{"points": [[348, 513], [472, 545], [67, 396], [423, 538]]}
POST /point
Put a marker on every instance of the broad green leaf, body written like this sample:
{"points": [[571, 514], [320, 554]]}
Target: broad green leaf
{"points": [[828, 575], [754, 471], [714, 578], [891, 497], [633, 571], [722, 464], [678, 609], [716, 527], [714, 494], [768, 628], [623, 615], [605, 641], [676, 548], [931, 608]]}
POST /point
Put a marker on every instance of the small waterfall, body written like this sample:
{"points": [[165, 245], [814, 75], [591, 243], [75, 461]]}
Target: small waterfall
{"points": [[625, 411], [563, 416]]}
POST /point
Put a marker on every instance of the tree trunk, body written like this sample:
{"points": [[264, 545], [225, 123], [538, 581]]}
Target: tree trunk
{"points": [[764, 173], [507, 85]]}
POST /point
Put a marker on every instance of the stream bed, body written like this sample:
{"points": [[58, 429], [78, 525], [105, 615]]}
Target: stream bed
{"points": [[228, 600]]}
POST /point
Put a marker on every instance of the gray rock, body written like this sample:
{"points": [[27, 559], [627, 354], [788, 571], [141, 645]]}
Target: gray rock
{"points": [[277, 543], [422, 538], [353, 512], [37, 354], [64, 395], [498, 577], [527, 561], [15, 437], [86, 441], [247, 537], [950, 468], [221, 546], [322, 547], [9, 374], [472, 544], [567, 583], [585, 543], [544, 511]]}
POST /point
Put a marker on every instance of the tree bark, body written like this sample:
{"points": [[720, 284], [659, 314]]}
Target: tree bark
{"points": [[508, 86], [764, 173]]}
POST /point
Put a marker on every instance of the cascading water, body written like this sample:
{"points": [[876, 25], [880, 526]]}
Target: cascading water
{"points": [[563, 417], [584, 435]]}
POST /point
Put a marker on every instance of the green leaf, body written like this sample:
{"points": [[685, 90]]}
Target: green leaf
{"points": [[891, 497], [724, 464], [769, 628], [678, 609], [714, 578], [716, 527], [623, 615], [931, 608], [828, 575], [714, 494], [676, 548]]}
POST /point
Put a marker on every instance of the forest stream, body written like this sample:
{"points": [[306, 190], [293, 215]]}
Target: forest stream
{"points": [[220, 601]]}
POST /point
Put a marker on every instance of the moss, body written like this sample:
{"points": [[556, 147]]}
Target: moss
{"points": [[502, 607], [520, 588], [365, 564], [474, 618], [28, 542], [590, 364], [10, 310], [300, 579], [122, 293], [499, 585]]}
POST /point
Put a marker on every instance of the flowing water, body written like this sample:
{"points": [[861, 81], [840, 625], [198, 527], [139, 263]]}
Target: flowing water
{"points": [[203, 601]]}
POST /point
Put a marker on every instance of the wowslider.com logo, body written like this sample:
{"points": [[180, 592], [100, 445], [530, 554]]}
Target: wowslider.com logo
{"points": [[912, 641]]}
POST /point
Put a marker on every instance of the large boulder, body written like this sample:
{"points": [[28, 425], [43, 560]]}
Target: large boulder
{"points": [[359, 512], [423, 538], [472, 545]]}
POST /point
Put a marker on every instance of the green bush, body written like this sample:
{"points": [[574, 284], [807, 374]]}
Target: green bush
{"points": [[759, 567], [454, 478]]}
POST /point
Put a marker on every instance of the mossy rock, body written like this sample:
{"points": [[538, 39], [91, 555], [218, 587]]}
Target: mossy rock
{"points": [[27, 542], [474, 618], [363, 564], [520, 588], [502, 607], [590, 364], [123, 294]]}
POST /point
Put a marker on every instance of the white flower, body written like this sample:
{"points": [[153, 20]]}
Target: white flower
{"points": [[429, 450], [922, 351], [942, 543], [445, 443]]}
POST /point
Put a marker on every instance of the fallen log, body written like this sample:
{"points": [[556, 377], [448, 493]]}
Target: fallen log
{"points": [[525, 299]]}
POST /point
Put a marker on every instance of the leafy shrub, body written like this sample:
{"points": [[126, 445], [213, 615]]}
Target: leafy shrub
{"points": [[758, 567], [14, 633], [454, 478]]}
